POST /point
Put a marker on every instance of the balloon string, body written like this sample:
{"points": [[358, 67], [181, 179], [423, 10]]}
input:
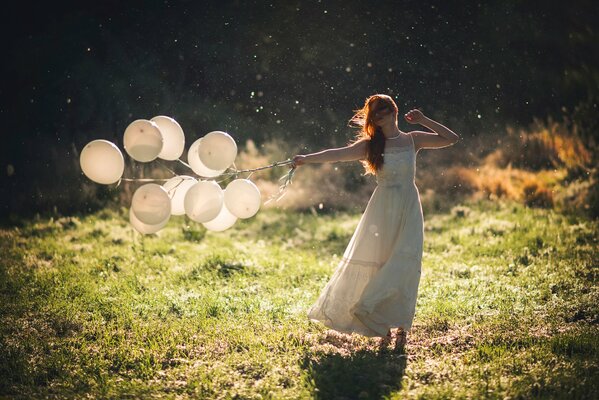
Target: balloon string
{"points": [[277, 164], [235, 172], [279, 195], [184, 163], [169, 170]]}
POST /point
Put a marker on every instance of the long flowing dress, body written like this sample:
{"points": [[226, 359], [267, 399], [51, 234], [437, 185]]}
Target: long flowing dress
{"points": [[375, 285]]}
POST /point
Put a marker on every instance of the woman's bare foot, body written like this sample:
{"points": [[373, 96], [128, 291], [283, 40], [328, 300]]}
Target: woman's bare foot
{"points": [[386, 340], [401, 340]]}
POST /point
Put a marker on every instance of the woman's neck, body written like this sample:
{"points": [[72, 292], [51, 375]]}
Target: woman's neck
{"points": [[390, 131]]}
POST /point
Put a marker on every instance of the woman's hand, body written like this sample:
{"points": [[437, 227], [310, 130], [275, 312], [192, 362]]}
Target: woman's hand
{"points": [[299, 160], [414, 116]]}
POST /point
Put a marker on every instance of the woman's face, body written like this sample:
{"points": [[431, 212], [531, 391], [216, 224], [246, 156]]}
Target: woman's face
{"points": [[381, 112]]}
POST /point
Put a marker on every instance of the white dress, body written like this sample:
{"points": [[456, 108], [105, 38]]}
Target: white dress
{"points": [[375, 285]]}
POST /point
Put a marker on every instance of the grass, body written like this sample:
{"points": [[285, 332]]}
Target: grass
{"points": [[507, 309]]}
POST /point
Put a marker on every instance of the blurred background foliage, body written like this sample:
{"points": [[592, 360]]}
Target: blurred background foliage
{"points": [[518, 81]]}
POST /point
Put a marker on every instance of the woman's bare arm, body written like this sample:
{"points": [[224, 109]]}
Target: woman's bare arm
{"points": [[353, 152], [442, 136]]}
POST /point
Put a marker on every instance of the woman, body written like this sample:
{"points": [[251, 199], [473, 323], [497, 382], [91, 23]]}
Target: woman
{"points": [[374, 288]]}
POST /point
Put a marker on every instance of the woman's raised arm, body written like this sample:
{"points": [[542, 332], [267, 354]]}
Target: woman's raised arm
{"points": [[442, 136]]}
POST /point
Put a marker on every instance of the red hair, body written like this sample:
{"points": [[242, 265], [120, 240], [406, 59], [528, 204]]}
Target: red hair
{"points": [[369, 131]]}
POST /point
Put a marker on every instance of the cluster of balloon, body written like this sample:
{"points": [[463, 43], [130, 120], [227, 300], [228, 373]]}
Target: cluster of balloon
{"points": [[201, 200]]}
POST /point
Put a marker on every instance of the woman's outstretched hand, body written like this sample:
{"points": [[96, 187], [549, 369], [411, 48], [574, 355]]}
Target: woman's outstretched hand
{"points": [[414, 116], [299, 160]]}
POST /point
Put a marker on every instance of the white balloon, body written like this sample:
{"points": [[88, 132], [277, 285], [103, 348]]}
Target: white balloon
{"points": [[102, 162], [223, 221], [177, 187], [218, 150], [145, 228], [193, 159], [173, 137], [151, 204], [242, 198], [203, 201], [143, 140]]}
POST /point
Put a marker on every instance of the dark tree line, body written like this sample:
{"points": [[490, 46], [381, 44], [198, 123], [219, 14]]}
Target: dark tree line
{"points": [[294, 70]]}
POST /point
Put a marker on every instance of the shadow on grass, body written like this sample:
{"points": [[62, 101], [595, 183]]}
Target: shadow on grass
{"points": [[364, 374]]}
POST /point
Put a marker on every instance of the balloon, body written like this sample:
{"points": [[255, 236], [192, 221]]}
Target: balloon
{"points": [[172, 137], [193, 158], [143, 140], [242, 198], [223, 221], [177, 187], [203, 201], [102, 162], [218, 150], [145, 228], [151, 204]]}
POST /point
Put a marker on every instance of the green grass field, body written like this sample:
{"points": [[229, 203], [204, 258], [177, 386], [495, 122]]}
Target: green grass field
{"points": [[508, 308]]}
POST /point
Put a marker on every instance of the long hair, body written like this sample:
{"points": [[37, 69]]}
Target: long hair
{"points": [[363, 119]]}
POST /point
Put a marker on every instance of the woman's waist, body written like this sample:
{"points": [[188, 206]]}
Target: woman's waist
{"points": [[395, 182]]}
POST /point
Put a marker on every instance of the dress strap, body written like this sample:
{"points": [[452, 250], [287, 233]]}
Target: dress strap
{"points": [[413, 144]]}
